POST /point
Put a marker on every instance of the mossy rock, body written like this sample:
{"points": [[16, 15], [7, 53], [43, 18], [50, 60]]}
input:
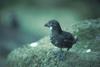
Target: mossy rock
{"points": [[45, 55], [88, 32]]}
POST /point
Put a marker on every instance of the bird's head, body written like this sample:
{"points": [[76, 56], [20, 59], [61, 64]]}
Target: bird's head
{"points": [[53, 25]]}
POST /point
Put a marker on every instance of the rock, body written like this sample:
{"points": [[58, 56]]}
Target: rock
{"points": [[44, 54], [88, 32]]}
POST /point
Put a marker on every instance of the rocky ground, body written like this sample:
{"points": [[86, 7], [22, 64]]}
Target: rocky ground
{"points": [[45, 55]]}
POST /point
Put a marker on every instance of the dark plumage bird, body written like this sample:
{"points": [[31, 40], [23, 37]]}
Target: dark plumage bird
{"points": [[60, 38]]}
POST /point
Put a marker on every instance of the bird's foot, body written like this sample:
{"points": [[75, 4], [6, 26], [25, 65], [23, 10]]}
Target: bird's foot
{"points": [[60, 55]]}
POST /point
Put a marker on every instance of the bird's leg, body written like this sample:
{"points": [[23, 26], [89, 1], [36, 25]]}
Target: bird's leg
{"points": [[61, 55], [68, 49], [61, 50]]}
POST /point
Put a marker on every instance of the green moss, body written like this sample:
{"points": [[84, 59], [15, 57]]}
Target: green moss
{"points": [[88, 32], [45, 55]]}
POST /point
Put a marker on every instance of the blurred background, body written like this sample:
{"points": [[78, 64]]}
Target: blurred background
{"points": [[22, 21]]}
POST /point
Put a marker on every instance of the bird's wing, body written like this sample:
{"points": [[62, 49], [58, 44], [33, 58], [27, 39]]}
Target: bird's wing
{"points": [[67, 37]]}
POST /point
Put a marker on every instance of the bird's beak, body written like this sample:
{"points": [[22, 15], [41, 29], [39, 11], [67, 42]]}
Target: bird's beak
{"points": [[46, 25]]}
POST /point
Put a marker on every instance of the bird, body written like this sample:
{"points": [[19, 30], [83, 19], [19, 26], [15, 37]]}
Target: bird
{"points": [[59, 37]]}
